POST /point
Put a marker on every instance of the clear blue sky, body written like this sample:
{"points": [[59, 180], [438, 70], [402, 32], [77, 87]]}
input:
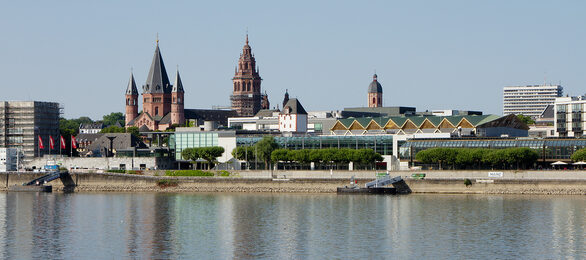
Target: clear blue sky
{"points": [[427, 54]]}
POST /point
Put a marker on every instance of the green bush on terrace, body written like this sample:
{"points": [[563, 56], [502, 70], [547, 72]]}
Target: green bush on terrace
{"points": [[199, 173]]}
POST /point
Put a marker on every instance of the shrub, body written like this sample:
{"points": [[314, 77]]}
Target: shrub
{"points": [[224, 173], [467, 182], [167, 183], [116, 171], [198, 173]]}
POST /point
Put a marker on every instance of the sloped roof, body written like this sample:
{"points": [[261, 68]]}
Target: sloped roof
{"points": [[131, 89], [266, 112], [157, 79], [121, 141], [294, 107], [474, 120], [178, 86]]}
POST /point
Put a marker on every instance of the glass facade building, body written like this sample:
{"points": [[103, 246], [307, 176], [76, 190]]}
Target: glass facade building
{"points": [[381, 144], [182, 140], [548, 149]]}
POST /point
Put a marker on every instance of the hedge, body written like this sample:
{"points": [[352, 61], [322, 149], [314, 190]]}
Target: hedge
{"points": [[520, 157]]}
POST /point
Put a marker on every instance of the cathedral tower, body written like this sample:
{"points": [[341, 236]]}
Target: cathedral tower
{"points": [[157, 89], [177, 109], [375, 93], [131, 100], [246, 95]]}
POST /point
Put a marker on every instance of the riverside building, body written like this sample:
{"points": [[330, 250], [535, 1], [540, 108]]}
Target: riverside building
{"points": [[570, 117], [23, 122], [529, 100]]}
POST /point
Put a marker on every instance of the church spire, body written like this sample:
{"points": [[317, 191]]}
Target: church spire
{"points": [[131, 89], [157, 79], [178, 86]]}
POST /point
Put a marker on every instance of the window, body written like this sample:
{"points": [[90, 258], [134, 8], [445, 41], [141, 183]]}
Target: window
{"points": [[156, 111]]}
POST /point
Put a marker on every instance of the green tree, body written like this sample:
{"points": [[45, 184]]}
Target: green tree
{"points": [[207, 153], [243, 153], [210, 154], [191, 154], [526, 119], [133, 130], [280, 155], [264, 148], [113, 118], [579, 156]]}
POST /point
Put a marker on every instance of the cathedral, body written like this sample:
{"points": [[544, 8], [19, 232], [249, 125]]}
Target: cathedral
{"points": [[246, 96], [162, 102]]}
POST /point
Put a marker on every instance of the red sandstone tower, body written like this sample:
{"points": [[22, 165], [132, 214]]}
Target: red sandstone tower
{"points": [[131, 100], [246, 95], [157, 90], [177, 109], [375, 93]]}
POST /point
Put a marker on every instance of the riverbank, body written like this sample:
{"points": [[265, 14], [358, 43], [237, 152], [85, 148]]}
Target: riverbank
{"points": [[543, 183]]}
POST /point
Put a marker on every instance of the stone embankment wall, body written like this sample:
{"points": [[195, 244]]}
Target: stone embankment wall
{"points": [[543, 183]]}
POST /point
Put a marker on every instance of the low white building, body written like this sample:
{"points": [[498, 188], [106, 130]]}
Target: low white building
{"points": [[293, 118], [569, 114]]}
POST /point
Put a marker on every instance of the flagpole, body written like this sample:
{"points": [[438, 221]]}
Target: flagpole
{"points": [[71, 147]]}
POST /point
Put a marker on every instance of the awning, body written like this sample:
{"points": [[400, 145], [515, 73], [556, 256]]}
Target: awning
{"points": [[559, 163]]}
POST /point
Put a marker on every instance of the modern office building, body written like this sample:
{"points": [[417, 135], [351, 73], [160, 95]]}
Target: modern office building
{"points": [[570, 116], [24, 123], [529, 100]]}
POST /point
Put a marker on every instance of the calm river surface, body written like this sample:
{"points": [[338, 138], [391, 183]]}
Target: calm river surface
{"points": [[299, 226]]}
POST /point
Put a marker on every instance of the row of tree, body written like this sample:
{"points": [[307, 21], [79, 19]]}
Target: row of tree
{"points": [[326, 156], [209, 154], [267, 150], [459, 158], [579, 156]]}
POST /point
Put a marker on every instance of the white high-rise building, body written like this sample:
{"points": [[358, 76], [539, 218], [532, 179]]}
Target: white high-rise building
{"points": [[529, 100]]}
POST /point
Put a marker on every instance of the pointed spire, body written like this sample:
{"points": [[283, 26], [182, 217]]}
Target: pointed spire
{"points": [[131, 89], [178, 86], [157, 79], [247, 37]]}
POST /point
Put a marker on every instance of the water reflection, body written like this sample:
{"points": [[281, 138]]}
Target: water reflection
{"points": [[235, 225]]}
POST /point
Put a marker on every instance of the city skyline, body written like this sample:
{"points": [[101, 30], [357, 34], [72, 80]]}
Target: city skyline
{"points": [[449, 55]]}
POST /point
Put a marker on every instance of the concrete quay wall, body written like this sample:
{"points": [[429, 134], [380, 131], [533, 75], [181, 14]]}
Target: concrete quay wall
{"points": [[86, 182], [473, 174]]}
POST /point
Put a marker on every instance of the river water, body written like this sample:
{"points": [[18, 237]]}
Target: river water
{"points": [[298, 226]]}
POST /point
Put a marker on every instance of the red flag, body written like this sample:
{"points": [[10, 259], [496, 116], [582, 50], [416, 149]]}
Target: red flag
{"points": [[62, 142], [51, 142], [73, 142], [41, 146]]}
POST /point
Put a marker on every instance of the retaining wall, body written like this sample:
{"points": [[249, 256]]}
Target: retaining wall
{"points": [[138, 183]]}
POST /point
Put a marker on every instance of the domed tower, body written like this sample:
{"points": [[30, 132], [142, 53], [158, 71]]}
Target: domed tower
{"points": [[177, 103], [131, 100], [375, 93], [246, 95]]}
